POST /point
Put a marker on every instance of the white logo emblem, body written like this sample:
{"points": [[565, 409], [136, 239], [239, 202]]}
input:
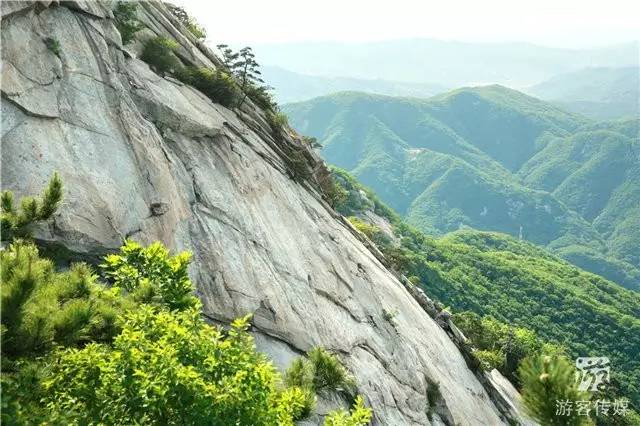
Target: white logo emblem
{"points": [[592, 373]]}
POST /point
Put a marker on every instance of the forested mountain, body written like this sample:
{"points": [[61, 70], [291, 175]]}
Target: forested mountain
{"points": [[494, 159], [290, 86], [450, 63], [598, 92], [513, 281]]}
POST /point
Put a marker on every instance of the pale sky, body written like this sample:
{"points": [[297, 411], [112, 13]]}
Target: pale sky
{"points": [[561, 23]]}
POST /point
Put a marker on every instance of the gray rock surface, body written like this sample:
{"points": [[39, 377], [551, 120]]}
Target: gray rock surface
{"points": [[149, 158]]}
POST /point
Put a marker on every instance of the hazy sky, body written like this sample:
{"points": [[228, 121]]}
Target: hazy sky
{"points": [[566, 23]]}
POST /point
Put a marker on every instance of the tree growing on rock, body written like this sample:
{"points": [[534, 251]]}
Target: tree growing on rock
{"points": [[246, 70], [17, 222]]}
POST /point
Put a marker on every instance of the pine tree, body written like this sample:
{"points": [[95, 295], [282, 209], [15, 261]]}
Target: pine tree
{"points": [[550, 393], [245, 68], [17, 222]]}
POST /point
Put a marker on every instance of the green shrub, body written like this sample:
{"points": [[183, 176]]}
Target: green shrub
{"points": [[18, 222], [321, 370], [136, 267], [373, 232], [299, 373], [217, 85], [78, 285], [489, 359], [22, 391], [278, 120], [389, 315], [158, 52], [170, 368], [41, 307], [53, 45], [126, 21], [336, 193], [359, 415], [304, 400], [71, 324], [23, 273], [328, 372], [546, 380], [261, 97]]}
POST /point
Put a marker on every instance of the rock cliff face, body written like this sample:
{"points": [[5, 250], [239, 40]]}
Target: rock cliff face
{"points": [[146, 157]]}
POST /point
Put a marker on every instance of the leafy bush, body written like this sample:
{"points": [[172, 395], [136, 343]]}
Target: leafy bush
{"points": [[126, 21], [53, 45], [151, 270], [336, 194], [77, 352], [359, 415], [546, 380], [261, 97], [217, 85], [18, 222], [158, 52], [170, 368], [490, 359], [373, 232]]}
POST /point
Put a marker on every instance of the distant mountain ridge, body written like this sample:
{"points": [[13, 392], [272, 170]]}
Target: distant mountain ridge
{"points": [[598, 92], [492, 158], [449, 63], [290, 86]]}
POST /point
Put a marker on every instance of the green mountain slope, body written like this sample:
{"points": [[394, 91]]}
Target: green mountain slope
{"points": [[513, 281], [494, 159], [601, 93]]}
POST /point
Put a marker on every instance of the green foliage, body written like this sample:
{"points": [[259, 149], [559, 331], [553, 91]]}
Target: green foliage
{"points": [[300, 373], [190, 23], [373, 232], [77, 352], [389, 315], [159, 53], [261, 96], [53, 45], [319, 371], [328, 372], [508, 281], [126, 21], [17, 222], [243, 65], [546, 380], [41, 307], [278, 121], [217, 85], [514, 164], [359, 415], [170, 368], [162, 278], [499, 345]]}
